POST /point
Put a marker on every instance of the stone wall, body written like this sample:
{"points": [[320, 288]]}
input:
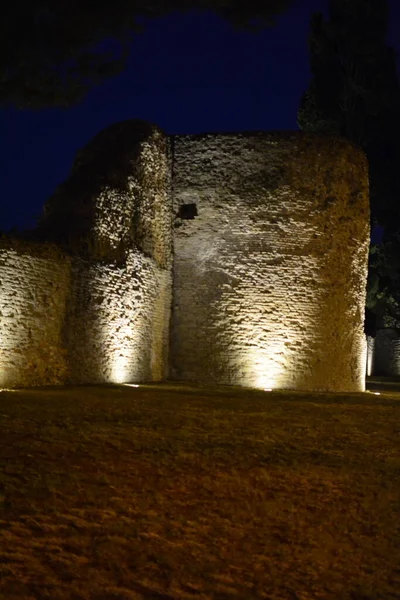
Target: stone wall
{"points": [[118, 321], [119, 314], [99, 309], [66, 320], [271, 246], [370, 356], [34, 287], [271, 235], [117, 197]]}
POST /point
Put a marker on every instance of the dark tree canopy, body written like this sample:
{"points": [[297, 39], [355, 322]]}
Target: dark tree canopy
{"points": [[52, 51], [354, 92], [383, 293]]}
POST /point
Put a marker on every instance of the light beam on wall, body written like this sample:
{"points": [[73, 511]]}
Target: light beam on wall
{"points": [[114, 324], [123, 340], [265, 366], [363, 362], [126, 328], [370, 355]]}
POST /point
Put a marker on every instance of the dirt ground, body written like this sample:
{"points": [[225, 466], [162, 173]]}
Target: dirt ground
{"points": [[194, 493]]}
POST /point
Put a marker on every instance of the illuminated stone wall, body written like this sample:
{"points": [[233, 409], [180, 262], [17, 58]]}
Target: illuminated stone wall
{"points": [[119, 314], [34, 286], [118, 321], [103, 313], [117, 197], [259, 242], [271, 245], [66, 320]]}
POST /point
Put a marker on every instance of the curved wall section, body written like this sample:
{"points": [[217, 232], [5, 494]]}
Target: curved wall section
{"points": [[98, 310], [118, 321], [271, 248], [118, 317]]}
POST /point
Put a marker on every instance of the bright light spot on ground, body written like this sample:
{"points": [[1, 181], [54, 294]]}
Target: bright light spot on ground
{"points": [[131, 384], [267, 389], [377, 393]]}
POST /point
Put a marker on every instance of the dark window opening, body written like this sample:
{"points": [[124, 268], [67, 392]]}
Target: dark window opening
{"points": [[187, 211]]}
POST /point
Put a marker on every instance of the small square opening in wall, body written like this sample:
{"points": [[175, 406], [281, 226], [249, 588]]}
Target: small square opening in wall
{"points": [[187, 211]]}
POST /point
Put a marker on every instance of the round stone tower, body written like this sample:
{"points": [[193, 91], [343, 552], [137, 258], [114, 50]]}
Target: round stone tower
{"points": [[271, 249], [114, 216]]}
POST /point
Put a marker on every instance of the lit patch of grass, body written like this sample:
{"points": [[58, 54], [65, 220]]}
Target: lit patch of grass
{"points": [[173, 492]]}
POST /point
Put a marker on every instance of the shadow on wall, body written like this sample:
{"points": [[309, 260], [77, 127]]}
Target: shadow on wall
{"points": [[384, 353], [116, 196]]}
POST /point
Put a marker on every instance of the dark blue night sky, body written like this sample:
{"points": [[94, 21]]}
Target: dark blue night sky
{"points": [[187, 74]]}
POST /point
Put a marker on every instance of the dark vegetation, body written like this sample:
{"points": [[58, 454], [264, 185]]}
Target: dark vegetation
{"points": [[355, 93], [52, 52]]}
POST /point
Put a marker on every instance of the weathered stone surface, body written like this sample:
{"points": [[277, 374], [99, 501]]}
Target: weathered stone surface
{"points": [[118, 317], [34, 287], [117, 197], [102, 314], [269, 277], [270, 259], [118, 321]]}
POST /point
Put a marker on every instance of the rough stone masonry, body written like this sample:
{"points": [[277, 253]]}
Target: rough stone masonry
{"points": [[219, 258]]}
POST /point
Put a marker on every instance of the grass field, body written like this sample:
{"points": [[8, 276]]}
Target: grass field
{"points": [[186, 493]]}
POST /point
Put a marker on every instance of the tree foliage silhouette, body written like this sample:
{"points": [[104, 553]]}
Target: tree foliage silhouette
{"points": [[355, 93], [52, 51]]}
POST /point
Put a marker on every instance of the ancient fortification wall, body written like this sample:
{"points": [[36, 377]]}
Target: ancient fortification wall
{"points": [[271, 245], [99, 309], [371, 356], [34, 285], [118, 321], [119, 311], [271, 235]]}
